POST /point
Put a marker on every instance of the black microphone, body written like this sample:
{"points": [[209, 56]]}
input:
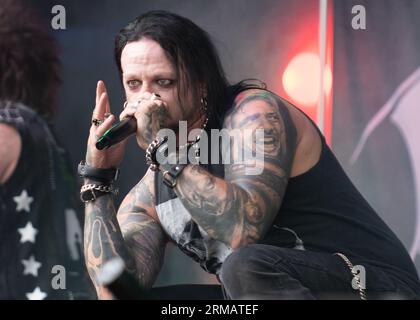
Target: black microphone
{"points": [[117, 133]]}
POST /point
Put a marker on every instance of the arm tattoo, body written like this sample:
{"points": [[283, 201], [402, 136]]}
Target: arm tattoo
{"points": [[240, 208], [103, 239], [134, 236], [143, 235]]}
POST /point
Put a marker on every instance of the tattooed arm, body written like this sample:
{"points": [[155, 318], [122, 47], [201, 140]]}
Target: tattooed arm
{"points": [[134, 235], [239, 209]]}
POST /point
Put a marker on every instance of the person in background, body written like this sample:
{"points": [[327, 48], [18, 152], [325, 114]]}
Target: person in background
{"points": [[40, 218]]}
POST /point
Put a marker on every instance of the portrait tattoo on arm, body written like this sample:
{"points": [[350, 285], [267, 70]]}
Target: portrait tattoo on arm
{"points": [[240, 208]]}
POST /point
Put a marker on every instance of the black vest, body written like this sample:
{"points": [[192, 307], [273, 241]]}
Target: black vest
{"points": [[40, 218]]}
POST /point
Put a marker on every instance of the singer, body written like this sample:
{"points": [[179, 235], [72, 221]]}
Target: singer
{"points": [[298, 230]]}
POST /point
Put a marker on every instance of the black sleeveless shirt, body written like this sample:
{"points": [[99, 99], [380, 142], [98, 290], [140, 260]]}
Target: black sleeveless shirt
{"points": [[321, 211]]}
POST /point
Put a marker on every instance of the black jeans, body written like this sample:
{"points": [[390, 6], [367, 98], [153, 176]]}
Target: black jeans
{"points": [[267, 272]]}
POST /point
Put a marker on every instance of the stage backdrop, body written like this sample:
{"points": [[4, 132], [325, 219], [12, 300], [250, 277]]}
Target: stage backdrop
{"points": [[376, 120]]}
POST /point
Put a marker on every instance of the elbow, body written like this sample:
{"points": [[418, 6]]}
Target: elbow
{"points": [[252, 228], [241, 239]]}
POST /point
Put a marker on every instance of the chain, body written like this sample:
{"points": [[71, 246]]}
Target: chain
{"points": [[194, 143], [102, 188], [155, 144], [362, 292]]}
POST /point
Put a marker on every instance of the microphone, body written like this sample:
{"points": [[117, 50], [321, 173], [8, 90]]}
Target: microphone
{"points": [[117, 133], [122, 284]]}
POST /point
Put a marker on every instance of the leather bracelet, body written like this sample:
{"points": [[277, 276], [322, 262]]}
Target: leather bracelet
{"points": [[176, 163], [103, 175]]}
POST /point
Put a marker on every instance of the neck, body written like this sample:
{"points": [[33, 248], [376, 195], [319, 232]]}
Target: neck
{"points": [[197, 123]]}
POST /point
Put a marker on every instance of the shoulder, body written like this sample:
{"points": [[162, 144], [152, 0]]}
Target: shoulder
{"points": [[254, 102], [10, 150], [253, 93], [254, 99], [256, 105], [15, 112], [8, 132], [281, 121]]}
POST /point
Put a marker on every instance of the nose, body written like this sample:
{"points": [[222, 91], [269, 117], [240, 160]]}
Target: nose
{"points": [[146, 90]]}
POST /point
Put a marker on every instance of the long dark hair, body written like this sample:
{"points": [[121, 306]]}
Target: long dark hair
{"points": [[29, 64], [189, 48]]}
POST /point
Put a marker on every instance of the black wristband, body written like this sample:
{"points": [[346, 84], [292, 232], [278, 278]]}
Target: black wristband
{"points": [[176, 162], [91, 195], [99, 174]]}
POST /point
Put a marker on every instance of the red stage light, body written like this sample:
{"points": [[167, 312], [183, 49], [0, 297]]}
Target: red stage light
{"points": [[301, 79]]}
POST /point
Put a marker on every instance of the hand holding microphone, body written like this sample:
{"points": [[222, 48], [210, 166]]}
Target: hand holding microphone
{"points": [[123, 129], [104, 134]]}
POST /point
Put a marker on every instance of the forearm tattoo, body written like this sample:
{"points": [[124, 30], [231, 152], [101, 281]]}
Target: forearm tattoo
{"points": [[103, 238], [143, 235], [134, 236], [240, 208]]}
